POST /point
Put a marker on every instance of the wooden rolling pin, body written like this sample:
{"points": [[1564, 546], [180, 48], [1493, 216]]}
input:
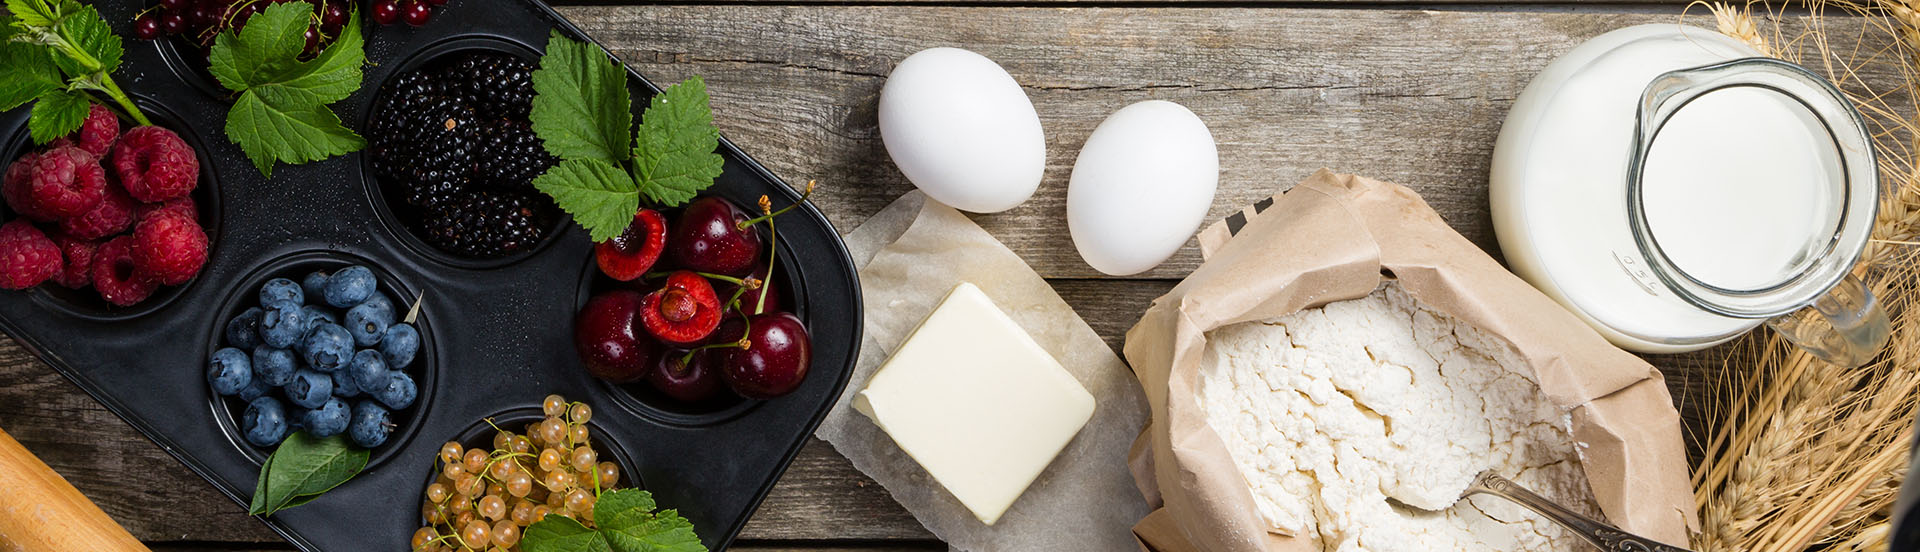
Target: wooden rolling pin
{"points": [[41, 512]]}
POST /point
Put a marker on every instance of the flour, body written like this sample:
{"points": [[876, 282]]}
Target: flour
{"points": [[1330, 412]]}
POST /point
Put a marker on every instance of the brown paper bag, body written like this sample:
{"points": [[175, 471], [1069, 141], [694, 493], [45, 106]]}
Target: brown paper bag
{"points": [[1334, 238]]}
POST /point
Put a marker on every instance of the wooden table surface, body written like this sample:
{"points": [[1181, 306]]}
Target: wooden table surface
{"points": [[1412, 93]]}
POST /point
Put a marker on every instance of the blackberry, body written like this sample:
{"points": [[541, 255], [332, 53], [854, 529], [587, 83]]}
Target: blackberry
{"points": [[434, 144], [510, 155], [488, 223], [496, 85]]}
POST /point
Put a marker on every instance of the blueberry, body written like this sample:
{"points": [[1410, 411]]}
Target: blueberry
{"points": [[281, 289], [343, 384], [229, 371], [244, 330], [254, 389], [368, 323], [368, 369], [350, 286], [399, 345], [265, 422], [327, 348], [380, 300], [272, 365], [328, 420], [370, 424], [314, 284], [399, 391], [309, 389], [317, 314], [282, 324]]}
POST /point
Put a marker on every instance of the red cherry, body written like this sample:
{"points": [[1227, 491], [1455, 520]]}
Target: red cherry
{"points": [[146, 27], [385, 12], [418, 12], [774, 361], [708, 238], [605, 339], [683, 312], [685, 379], [633, 252]]}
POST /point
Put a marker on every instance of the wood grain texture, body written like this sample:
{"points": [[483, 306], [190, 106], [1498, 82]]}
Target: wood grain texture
{"points": [[1411, 96]]}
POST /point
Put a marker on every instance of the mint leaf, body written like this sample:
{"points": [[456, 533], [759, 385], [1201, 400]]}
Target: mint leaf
{"points": [[673, 156], [328, 78], [303, 467], [599, 195], [57, 113], [26, 72], [580, 103], [99, 49], [561, 534], [270, 43], [290, 133]]}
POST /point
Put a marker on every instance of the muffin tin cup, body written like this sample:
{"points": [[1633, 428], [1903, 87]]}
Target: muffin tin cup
{"points": [[497, 334], [480, 434], [424, 369]]}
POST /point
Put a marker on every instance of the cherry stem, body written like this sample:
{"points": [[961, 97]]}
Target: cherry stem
{"points": [[708, 275], [767, 212], [773, 254]]}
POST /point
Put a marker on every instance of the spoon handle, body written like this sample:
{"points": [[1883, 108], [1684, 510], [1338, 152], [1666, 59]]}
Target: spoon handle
{"points": [[1601, 535]]}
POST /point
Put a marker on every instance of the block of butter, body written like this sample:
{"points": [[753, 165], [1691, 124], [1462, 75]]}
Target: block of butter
{"points": [[972, 398]]}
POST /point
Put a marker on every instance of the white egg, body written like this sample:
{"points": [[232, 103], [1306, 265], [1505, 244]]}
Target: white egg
{"points": [[1141, 186], [962, 130]]}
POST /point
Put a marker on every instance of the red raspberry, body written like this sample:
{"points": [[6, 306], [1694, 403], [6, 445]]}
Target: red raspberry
{"points": [[14, 189], [57, 143], [96, 135], [155, 164], [66, 182], [114, 276], [112, 215], [182, 206], [79, 253], [27, 257], [169, 248]]}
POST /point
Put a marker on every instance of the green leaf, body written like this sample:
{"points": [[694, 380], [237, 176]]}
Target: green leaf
{"points": [[638, 531], [599, 195], [57, 113], [268, 45], [287, 133], [561, 534], [673, 157], [304, 466], [31, 13], [26, 72], [613, 503], [580, 103], [328, 78], [98, 48]]}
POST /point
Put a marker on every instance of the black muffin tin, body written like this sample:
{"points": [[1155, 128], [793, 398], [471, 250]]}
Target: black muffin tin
{"points": [[496, 334]]}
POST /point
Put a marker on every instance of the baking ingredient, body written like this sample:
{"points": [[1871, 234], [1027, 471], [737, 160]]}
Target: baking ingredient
{"points": [[29, 256], [57, 54], [280, 114], [606, 336], [115, 277], [303, 468], [773, 358], [154, 164], [714, 236], [1358, 424], [633, 252], [64, 182], [690, 377], [961, 129], [972, 398], [683, 312], [581, 110], [199, 22], [169, 249], [1141, 186]]}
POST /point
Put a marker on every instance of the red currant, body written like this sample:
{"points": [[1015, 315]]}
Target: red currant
{"points": [[386, 12], [333, 16], [418, 12], [146, 27], [173, 5]]}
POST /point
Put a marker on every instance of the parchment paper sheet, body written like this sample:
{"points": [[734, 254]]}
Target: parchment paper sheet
{"points": [[914, 251], [1333, 238]]}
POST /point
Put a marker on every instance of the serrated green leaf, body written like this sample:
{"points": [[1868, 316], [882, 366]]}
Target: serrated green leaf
{"points": [[612, 503], [673, 158], [561, 534], [57, 113], [290, 133], [580, 106], [329, 77], [304, 466], [267, 46], [32, 13], [599, 195], [98, 48], [26, 72], [640, 531]]}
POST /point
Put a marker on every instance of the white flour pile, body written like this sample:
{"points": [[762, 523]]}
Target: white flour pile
{"points": [[1331, 412]]}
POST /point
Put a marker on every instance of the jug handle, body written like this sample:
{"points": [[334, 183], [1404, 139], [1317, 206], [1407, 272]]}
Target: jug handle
{"points": [[1846, 326]]}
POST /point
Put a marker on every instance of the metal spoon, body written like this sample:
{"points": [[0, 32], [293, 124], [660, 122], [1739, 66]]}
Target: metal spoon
{"points": [[1600, 535]]}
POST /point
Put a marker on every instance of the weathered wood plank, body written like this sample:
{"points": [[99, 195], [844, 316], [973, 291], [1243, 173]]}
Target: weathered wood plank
{"points": [[1414, 97]]}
